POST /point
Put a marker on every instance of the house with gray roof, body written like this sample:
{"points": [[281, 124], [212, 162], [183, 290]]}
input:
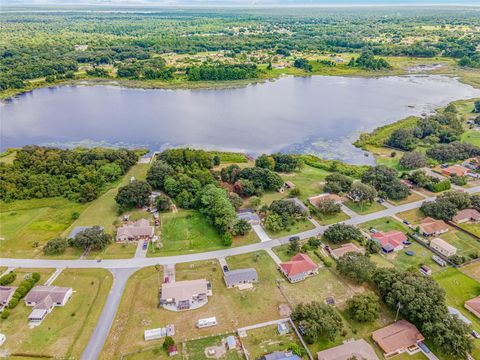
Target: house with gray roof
{"points": [[44, 298], [249, 215], [240, 277], [303, 208], [79, 229], [6, 294]]}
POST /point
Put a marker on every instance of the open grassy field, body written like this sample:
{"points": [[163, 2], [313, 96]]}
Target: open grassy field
{"points": [[26, 225], [460, 288], [472, 270], [66, 330], [189, 232], [266, 340], [232, 308], [331, 219], [411, 198], [22, 273], [473, 228], [296, 228], [364, 209], [384, 224], [309, 180]]}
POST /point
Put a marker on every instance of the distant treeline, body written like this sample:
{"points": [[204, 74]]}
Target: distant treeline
{"points": [[222, 72]]}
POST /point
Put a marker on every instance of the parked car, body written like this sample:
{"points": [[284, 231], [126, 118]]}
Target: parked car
{"points": [[424, 347], [145, 245], [293, 238], [166, 279], [225, 268], [406, 222], [444, 166], [475, 334], [373, 231], [381, 200]]}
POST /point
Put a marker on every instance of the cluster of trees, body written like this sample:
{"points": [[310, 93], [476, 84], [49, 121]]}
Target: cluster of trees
{"points": [[185, 176], [279, 162], [364, 307], [222, 72], [23, 288], [135, 194], [8, 278], [356, 267], [449, 203], [368, 61], [341, 184], [282, 214], [93, 238], [251, 180], [340, 233], [413, 160], [420, 178], [302, 63], [385, 180], [453, 151], [145, 69], [77, 174]]}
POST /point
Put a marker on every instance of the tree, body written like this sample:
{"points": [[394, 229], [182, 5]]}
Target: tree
{"points": [[476, 107], [135, 194], [446, 205], [265, 162], [317, 320], [215, 205], [241, 227], [386, 182], [364, 307], [157, 173], [403, 139], [338, 233], [93, 238], [355, 266], [286, 162], [302, 63], [168, 342], [227, 239], [55, 246], [373, 247], [163, 202], [362, 193], [255, 202], [236, 200], [328, 207], [337, 183], [294, 246], [230, 173], [413, 160], [274, 223]]}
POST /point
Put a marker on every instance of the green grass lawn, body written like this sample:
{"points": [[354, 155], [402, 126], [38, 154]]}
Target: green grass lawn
{"points": [[471, 136], [190, 232], [384, 224], [66, 330], [296, 228], [460, 288], [411, 198], [466, 244], [364, 209], [473, 228], [331, 219], [309, 180], [196, 348], [25, 223]]}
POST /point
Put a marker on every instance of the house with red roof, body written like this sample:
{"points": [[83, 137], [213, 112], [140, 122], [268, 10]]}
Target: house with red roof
{"points": [[299, 268], [390, 241]]}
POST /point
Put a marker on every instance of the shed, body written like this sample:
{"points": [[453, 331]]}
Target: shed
{"points": [[231, 342], [283, 328]]}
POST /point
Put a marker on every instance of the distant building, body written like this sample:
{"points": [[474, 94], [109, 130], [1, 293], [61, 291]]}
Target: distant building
{"points": [[344, 249], [456, 170], [398, 338], [473, 305], [240, 277], [472, 163], [185, 295], [231, 342], [390, 241], [280, 355], [249, 215], [283, 328], [44, 299], [172, 350], [467, 215], [358, 349], [289, 185], [299, 268], [79, 229], [316, 200], [443, 247], [430, 227], [6, 294], [139, 230], [303, 208]]}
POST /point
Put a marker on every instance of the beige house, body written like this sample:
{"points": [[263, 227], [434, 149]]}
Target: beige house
{"points": [[139, 230], [185, 295], [398, 338], [6, 294], [473, 305], [44, 298], [345, 249], [316, 200], [443, 247], [467, 215], [358, 349], [430, 227]]}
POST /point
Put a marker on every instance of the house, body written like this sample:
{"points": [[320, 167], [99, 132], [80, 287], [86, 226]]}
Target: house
{"points": [[345, 249], [172, 350], [456, 170], [240, 277], [139, 230], [443, 247], [473, 305], [357, 349], [185, 295], [283, 328], [231, 342], [408, 183], [390, 241], [289, 185], [467, 215], [6, 294], [280, 355], [79, 229], [316, 200], [472, 163], [398, 338], [44, 298], [430, 226], [300, 267], [249, 215], [303, 208]]}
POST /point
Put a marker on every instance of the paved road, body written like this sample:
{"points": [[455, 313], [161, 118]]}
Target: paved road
{"points": [[102, 329], [122, 269]]}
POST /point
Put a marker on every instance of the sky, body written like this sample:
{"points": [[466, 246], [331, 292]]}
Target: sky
{"points": [[246, 3]]}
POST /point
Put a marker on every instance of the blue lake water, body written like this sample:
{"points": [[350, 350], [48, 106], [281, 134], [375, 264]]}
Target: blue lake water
{"points": [[319, 114]]}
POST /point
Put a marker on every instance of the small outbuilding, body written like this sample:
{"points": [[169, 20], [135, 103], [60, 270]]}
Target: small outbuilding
{"points": [[231, 342], [443, 247], [283, 328]]}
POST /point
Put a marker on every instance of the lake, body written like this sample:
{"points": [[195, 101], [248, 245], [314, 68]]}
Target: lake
{"points": [[319, 114]]}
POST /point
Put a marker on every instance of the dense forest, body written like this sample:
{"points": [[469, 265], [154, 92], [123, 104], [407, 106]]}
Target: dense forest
{"points": [[58, 45], [77, 174]]}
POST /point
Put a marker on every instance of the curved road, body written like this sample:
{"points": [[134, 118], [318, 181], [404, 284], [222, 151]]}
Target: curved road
{"points": [[122, 269]]}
